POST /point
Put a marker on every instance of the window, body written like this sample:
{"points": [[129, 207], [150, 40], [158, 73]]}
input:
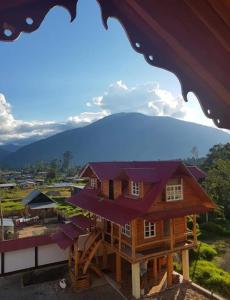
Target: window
{"points": [[135, 188], [93, 182], [126, 230], [149, 229], [174, 190]]}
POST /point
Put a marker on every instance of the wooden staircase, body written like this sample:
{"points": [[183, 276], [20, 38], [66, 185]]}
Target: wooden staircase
{"points": [[81, 260]]}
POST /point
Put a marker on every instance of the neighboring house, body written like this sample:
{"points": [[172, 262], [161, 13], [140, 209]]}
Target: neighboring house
{"points": [[39, 204], [140, 212], [27, 184], [8, 186], [8, 228]]}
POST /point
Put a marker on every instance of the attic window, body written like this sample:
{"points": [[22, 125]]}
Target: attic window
{"points": [[135, 188], [174, 190], [93, 182]]}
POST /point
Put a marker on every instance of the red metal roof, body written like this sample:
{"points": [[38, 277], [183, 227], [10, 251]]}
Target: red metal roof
{"points": [[88, 199], [110, 170], [71, 231], [196, 172], [23, 243], [141, 174], [167, 214], [81, 221], [62, 240]]}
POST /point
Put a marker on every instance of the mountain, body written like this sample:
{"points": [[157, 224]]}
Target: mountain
{"points": [[10, 147], [124, 136], [3, 153]]}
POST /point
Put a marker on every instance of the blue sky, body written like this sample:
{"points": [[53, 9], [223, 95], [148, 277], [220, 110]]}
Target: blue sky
{"points": [[64, 70]]}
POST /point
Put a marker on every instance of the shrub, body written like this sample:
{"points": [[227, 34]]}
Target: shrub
{"points": [[210, 276], [203, 251]]}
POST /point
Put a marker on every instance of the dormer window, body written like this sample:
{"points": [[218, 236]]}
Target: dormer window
{"points": [[174, 190], [93, 182], [135, 188]]}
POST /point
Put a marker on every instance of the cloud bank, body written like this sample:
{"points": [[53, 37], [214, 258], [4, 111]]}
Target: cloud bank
{"points": [[147, 98]]}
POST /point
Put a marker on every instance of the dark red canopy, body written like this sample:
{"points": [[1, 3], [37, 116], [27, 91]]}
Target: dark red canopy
{"points": [[189, 38]]}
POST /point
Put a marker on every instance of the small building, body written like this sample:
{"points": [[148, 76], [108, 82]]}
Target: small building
{"points": [[39, 204], [8, 186], [8, 228], [26, 184]]}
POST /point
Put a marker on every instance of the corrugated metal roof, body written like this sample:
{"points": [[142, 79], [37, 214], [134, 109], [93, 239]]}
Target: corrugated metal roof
{"points": [[36, 194], [196, 172], [141, 174], [7, 222], [167, 214], [81, 221], [42, 205], [71, 231], [23, 243], [62, 240], [87, 199]]}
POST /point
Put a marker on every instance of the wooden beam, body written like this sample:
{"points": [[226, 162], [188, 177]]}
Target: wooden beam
{"points": [[133, 237], [119, 237], [155, 269], [171, 234], [136, 284], [105, 257], [111, 231], [185, 264], [194, 230], [76, 258], [169, 269], [118, 267]]}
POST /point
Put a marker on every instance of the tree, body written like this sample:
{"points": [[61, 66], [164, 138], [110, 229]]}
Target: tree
{"points": [[220, 151], [217, 184], [67, 158]]}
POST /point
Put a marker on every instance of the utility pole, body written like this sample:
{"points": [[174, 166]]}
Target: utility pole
{"points": [[1, 216]]}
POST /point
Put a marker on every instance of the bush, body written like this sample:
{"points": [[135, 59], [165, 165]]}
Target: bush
{"points": [[203, 251], [211, 277]]}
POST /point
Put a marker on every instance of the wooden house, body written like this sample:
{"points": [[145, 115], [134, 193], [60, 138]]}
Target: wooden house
{"points": [[39, 204], [138, 212]]}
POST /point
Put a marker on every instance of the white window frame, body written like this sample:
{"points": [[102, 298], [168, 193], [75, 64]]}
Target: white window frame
{"points": [[135, 188], [126, 230], [149, 229], [174, 192], [93, 182]]}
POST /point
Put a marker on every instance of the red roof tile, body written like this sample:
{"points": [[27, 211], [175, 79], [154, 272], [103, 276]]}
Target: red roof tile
{"points": [[88, 199], [196, 172], [141, 174], [81, 221], [62, 240], [71, 231], [167, 214], [23, 243]]}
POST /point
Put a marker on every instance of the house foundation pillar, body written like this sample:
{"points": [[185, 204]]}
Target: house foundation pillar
{"points": [[169, 269], [136, 288], [118, 268], [185, 264]]}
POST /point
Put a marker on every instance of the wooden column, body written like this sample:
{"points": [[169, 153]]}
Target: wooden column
{"points": [[185, 264], [171, 234], [119, 238], [105, 257], [169, 269], [111, 232], [136, 288], [118, 267], [194, 230], [76, 258], [155, 269], [133, 237]]}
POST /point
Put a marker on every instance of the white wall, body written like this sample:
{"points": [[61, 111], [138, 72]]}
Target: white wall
{"points": [[0, 264], [20, 259], [52, 253]]}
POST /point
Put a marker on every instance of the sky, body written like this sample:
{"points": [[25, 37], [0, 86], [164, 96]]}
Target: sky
{"points": [[66, 75]]}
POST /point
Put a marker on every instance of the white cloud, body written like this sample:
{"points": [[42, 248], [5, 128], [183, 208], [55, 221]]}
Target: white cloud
{"points": [[147, 98]]}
